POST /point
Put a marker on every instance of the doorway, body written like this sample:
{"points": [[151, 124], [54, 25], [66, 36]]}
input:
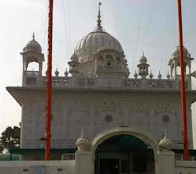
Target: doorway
{"points": [[115, 165], [109, 166], [124, 154]]}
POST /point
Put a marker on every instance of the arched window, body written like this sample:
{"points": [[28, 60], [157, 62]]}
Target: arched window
{"points": [[33, 66], [109, 60], [100, 60], [118, 61], [109, 57]]}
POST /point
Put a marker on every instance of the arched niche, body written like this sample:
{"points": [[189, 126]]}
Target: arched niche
{"points": [[100, 60], [33, 66], [109, 60], [118, 60]]}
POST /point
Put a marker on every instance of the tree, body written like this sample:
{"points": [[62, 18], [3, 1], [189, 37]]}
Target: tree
{"points": [[10, 138]]}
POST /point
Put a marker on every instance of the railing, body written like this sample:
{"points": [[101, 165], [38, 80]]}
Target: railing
{"points": [[108, 83], [179, 157], [151, 83], [32, 73], [68, 156]]}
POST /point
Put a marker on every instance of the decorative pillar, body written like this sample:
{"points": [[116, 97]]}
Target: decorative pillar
{"points": [[166, 156], [84, 161]]}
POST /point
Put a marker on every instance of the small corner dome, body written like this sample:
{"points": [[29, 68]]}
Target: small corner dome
{"points": [[82, 143], [95, 41], [165, 143], [32, 45], [143, 59], [176, 52]]}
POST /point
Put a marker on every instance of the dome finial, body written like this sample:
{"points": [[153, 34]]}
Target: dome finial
{"points": [[99, 27], [82, 134], [33, 36], [165, 133], [66, 73]]}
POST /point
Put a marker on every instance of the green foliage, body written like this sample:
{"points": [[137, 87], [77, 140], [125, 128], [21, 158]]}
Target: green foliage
{"points": [[10, 138]]}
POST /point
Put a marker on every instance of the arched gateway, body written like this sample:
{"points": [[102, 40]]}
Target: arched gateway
{"points": [[124, 150]]}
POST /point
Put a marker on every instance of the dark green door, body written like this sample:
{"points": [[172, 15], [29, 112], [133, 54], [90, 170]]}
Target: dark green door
{"points": [[109, 166]]}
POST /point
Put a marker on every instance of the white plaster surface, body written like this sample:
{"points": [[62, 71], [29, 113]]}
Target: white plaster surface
{"points": [[88, 110], [37, 167]]}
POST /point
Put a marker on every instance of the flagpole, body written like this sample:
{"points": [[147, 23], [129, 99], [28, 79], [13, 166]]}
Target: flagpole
{"points": [[183, 93], [49, 83]]}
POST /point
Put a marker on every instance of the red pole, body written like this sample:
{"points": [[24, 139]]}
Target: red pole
{"points": [[49, 83], [183, 94]]}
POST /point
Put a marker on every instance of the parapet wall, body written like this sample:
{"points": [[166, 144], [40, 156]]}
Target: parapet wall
{"points": [[32, 80], [185, 167], [37, 167], [68, 167]]}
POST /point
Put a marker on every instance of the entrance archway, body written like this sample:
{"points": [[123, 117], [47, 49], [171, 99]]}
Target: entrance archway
{"points": [[124, 150]]}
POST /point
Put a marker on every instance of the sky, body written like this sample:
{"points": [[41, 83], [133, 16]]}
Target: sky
{"points": [[141, 26]]}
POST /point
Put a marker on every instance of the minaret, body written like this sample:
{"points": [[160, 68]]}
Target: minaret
{"points": [[143, 67], [174, 62], [32, 52]]}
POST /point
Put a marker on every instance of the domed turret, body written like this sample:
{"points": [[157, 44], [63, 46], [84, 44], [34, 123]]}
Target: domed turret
{"points": [[33, 45], [100, 54], [174, 62], [143, 67], [176, 52], [143, 59], [32, 53]]}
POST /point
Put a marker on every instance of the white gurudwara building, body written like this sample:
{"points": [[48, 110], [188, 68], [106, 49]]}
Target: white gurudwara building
{"points": [[122, 120]]}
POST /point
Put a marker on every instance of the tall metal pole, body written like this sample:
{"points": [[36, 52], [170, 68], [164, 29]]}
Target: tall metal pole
{"points": [[49, 83], [183, 94]]}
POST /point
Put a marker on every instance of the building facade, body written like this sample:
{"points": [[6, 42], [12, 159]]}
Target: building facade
{"points": [[122, 118]]}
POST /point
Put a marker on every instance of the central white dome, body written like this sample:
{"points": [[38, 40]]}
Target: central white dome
{"points": [[99, 54], [95, 41]]}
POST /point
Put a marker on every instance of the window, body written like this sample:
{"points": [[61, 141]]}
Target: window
{"points": [[33, 66], [118, 60], [100, 60]]}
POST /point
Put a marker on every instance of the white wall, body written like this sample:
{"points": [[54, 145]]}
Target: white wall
{"points": [[37, 167], [193, 107], [185, 167], [74, 111]]}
